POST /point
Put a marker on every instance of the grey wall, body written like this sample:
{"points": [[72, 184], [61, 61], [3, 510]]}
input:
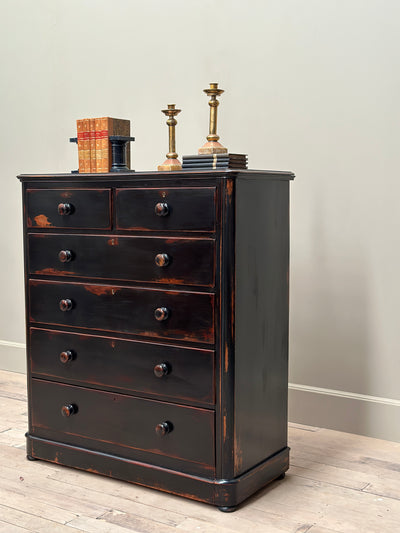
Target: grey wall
{"points": [[311, 86]]}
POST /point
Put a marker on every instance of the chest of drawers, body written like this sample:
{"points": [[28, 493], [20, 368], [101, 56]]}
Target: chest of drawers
{"points": [[157, 327]]}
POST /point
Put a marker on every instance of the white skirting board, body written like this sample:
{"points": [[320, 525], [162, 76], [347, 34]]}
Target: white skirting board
{"points": [[345, 411], [12, 356]]}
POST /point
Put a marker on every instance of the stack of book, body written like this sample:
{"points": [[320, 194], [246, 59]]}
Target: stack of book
{"points": [[214, 161], [94, 148]]}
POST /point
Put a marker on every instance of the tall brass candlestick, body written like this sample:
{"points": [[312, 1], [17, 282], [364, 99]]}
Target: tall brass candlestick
{"points": [[212, 146], [172, 162]]}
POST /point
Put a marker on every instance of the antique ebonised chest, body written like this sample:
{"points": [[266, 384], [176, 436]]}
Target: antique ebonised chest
{"points": [[157, 327]]}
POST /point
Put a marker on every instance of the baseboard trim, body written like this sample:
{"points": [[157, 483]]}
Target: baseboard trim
{"points": [[13, 344], [344, 394], [372, 416], [12, 356]]}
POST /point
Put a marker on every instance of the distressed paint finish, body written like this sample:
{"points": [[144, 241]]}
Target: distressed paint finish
{"points": [[124, 424], [191, 261], [124, 310], [188, 209], [125, 365], [91, 208], [41, 221], [118, 372]]}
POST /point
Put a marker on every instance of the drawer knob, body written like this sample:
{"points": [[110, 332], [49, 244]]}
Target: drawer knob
{"points": [[164, 428], [65, 209], [162, 260], [65, 256], [161, 313], [69, 409], [66, 356], [65, 305], [162, 369], [161, 209]]}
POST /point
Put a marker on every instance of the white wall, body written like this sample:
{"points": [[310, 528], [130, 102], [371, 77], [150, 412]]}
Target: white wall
{"points": [[311, 86]]}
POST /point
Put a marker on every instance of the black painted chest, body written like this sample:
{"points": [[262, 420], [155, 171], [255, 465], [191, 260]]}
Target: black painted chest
{"points": [[157, 327]]}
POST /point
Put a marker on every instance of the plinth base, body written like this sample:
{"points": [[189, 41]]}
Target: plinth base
{"points": [[213, 147], [226, 494], [170, 164]]}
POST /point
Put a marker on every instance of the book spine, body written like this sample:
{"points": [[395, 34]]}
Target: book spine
{"points": [[81, 158], [86, 145], [92, 143], [104, 145], [98, 144]]}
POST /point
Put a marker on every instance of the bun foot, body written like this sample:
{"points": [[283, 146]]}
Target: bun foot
{"points": [[30, 458], [282, 476], [228, 509]]}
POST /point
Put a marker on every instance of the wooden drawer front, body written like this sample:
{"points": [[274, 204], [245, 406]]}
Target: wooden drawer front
{"points": [[188, 261], [154, 369], [187, 209], [124, 309], [107, 421], [88, 208]]}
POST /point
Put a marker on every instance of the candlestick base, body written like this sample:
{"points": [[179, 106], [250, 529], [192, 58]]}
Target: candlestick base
{"points": [[170, 164], [213, 147]]}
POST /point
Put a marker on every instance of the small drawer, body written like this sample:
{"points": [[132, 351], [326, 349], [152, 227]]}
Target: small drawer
{"points": [[179, 315], [147, 259], [123, 365], [68, 208], [169, 209], [122, 425]]}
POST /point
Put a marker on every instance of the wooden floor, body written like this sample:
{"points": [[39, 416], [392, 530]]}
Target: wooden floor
{"points": [[337, 482]]}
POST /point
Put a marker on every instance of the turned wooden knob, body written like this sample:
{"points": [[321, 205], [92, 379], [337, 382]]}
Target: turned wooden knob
{"points": [[161, 209], [162, 369], [65, 209], [65, 304], [163, 428], [69, 409], [161, 313], [65, 256], [161, 260], [66, 356]]}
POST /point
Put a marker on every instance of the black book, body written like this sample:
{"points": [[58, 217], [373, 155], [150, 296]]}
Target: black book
{"points": [[214, 158], [218, 156], [223, 162], [213, 166]]}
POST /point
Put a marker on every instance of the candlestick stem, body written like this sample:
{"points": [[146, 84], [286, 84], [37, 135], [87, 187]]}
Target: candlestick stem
{"points": [[212, 146], [172, 162]]}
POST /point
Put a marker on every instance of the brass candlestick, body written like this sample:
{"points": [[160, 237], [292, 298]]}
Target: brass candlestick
{"points": [[172, 162], [213, 146]]}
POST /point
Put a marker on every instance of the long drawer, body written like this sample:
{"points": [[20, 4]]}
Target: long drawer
{"points": [[68, 208], [166, 209], [147, 259], [121, 424], [123, 365], [179, 315]]}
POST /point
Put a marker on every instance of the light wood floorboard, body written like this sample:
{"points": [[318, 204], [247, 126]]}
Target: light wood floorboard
{"points": [[337, 483]]}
